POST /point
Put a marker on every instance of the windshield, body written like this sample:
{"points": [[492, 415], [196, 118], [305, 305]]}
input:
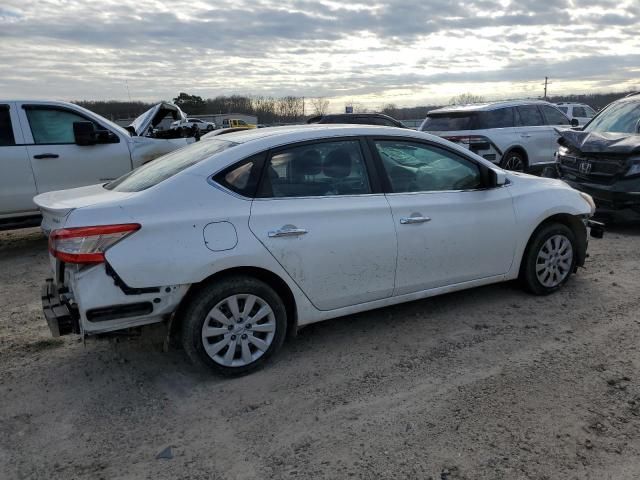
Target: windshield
{"points": [[448, 122], [623, 117], [167, 166]]}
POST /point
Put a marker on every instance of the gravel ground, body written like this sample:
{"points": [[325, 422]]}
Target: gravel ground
{"points": [[488, 383]]}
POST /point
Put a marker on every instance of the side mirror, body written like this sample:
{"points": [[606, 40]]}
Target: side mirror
{"points": [[575, 122], [499, 178], [84, 133]]}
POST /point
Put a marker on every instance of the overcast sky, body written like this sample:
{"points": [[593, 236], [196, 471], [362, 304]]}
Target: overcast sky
{"points": [[408, 52]]}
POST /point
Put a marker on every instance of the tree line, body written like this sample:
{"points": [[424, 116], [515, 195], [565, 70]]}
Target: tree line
{"points": [[292, 109]]}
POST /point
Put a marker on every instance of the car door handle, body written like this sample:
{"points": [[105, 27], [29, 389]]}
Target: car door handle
{"points": [[40, 156], [411, 220], [287, 231]]}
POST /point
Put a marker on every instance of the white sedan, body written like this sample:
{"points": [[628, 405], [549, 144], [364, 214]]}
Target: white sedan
{"points": [[246, 237]]}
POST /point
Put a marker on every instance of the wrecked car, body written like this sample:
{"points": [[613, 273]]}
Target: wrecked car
{"points": [[238, 240], [50, 145], [603, 158]]}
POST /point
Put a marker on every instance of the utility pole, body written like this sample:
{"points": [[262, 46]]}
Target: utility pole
{"points": [[546, 82]]}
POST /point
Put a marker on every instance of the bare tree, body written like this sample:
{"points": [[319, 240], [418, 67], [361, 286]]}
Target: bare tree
{"points": [[320, 105], [466, 98], [390, 109]]}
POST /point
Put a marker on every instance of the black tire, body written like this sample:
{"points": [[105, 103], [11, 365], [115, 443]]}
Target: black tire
{"points": [[209, 128], [514, 161], [531, 262], [202, 303]]}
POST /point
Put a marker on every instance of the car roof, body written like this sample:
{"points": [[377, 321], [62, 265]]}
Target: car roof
{"points": [[487, 106]]}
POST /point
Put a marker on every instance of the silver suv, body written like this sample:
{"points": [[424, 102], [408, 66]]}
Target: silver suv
{"points": [[517, 135]]}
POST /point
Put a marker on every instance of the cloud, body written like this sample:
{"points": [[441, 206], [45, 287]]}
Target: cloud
{"points": [[405, 48]]}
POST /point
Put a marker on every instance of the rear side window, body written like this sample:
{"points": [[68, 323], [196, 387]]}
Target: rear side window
{"points": [[6, 130], [449, 122], [51, 126], [168, 165], [554, 117], [530, 116], [579, 112], [316, 170], [564, 110], [243, 176], [500, 118]]}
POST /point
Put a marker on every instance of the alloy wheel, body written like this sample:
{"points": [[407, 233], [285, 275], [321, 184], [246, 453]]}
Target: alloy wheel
{"points": [[554, 261], [238, 330], [514, 163]]}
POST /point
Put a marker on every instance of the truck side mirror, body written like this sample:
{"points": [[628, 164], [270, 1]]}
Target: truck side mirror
{"points": [[84, 133], [575, 122]]}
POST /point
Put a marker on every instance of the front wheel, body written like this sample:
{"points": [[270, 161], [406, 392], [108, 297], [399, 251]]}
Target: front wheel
{"points": [[234, 325], [549, 259]]}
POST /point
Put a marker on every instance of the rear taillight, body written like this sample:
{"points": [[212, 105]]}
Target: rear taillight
{"points": [[87, 244], [472, 142]]}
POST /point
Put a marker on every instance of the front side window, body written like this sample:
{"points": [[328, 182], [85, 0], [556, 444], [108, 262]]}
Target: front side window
{"points": [[319, 169], [622, 117], [6, 130], [416, 167], [51, 126], [530, 116], [554, 117], [167, 166]]}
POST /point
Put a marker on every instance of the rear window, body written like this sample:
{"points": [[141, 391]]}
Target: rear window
{"points": [[167, 166], [450, 121]]}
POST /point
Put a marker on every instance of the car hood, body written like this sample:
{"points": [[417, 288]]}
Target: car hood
{"points": [[600, 142], [152, 117]]}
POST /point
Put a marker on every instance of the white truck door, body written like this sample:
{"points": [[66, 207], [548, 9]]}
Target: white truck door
{"points": [[17, 186], [57, 161]]}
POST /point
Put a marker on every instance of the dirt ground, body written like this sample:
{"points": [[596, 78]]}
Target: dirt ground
{"points": [[489, 383]]}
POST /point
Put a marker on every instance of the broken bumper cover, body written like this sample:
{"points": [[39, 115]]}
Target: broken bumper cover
{"points": [[609, 197], [62, 318]]}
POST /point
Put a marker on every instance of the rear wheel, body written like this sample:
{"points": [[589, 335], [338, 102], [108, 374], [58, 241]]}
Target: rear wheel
{"points": [[514, 161], [233, 326], [549, 260]]}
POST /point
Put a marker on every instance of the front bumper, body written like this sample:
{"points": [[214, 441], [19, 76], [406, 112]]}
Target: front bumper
{"points": [[62, 317], [608, 197]]}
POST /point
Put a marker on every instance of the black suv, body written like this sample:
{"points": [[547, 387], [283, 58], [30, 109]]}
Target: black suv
{"points": [[358, 118], [603, 158]]}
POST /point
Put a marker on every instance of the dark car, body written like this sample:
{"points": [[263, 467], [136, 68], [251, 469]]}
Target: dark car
{"points": [[603, 158], [358, 118]]}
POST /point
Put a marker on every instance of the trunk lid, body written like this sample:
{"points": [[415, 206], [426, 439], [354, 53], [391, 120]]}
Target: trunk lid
{"points": [[57, 205]]}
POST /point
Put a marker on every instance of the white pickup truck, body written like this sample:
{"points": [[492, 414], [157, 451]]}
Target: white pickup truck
{"points": [[49, 145]]}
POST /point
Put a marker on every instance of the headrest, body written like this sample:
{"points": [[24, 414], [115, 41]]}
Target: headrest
{"points": [[309, 162], [337, 164]]}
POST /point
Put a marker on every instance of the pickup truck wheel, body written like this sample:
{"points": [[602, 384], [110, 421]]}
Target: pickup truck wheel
{"points": [[514, 161], [233, 326], [549, 259]]}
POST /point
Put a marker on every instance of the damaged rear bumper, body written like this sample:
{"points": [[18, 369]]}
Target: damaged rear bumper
{"points": [[62, 317]]}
